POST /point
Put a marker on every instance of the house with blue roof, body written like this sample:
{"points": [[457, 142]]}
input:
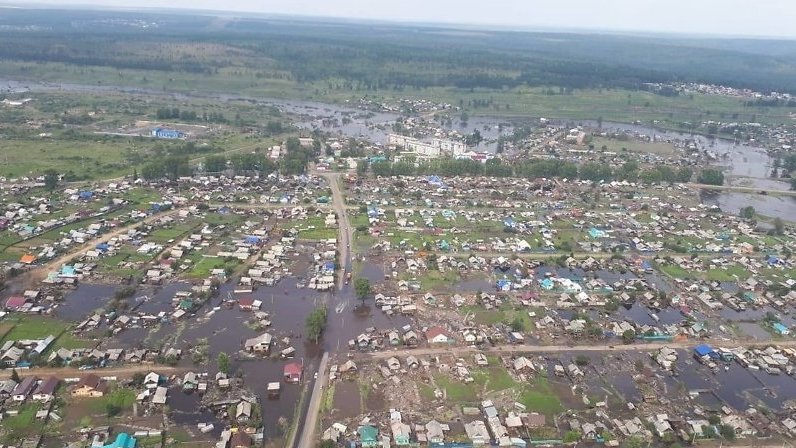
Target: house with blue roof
{"points": [[702, 350], [503, 284], [123, 440], [782, 330], [86, 195], [597, 233], [253, 239], [546, 284]]}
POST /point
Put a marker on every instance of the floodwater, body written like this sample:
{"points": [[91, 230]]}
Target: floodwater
{"points": [[754, 330], [747, 165], [88, 297], [767, 205], [642, 315]]}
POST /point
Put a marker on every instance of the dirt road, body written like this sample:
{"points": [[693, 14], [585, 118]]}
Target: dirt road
{"points": [[55, 263], [126, 371], [508, 349]]}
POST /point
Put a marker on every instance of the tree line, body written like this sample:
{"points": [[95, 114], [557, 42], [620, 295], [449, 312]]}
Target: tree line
{"points": [[175, 113], [176, 162], [543, 168]]}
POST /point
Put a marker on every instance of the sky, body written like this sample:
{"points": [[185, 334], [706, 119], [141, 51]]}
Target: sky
{"points": [[769, 18]]}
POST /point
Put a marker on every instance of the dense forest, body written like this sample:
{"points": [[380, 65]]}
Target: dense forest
{"points": [[386, 56]]}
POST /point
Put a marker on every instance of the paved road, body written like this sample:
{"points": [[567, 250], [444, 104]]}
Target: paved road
{"points": [[650, 346], [308, 435], [345, 230], [126, 371]]}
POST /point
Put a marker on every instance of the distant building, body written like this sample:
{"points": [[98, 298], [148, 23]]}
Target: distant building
{"points": [[167, 133], [435, 148]]}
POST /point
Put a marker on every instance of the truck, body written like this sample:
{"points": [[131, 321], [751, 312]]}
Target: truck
{"points": [[347, 277]]}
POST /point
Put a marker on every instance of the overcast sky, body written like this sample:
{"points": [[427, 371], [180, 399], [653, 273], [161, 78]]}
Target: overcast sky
{"points": [[726, 17]]}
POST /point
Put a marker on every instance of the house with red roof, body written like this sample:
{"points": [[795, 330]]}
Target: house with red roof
{"points": [[438, 335], [293, 371], [16, 302], [246, 303]]}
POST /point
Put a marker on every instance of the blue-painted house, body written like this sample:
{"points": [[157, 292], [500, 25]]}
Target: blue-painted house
{"points": [[123, 440]]}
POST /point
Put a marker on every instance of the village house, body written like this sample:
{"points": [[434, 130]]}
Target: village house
{"points": [[90, 386], [437, 335], [259, 344], [23, 390], [293, 372], [46, 389]]}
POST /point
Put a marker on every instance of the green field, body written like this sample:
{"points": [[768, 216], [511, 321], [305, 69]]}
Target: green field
{"points": [[540, 397], [34, 327]]}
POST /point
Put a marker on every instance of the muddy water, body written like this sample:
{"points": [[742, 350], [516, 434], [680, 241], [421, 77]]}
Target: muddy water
{"points": [[767, 205], [87, 298], [288, 306]]}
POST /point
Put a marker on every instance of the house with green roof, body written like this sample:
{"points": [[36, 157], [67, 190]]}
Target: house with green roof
{"points": [[368, 435], [123, 440]]}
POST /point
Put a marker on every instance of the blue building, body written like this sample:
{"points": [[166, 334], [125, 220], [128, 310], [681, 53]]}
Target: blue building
{"points": [[123, 440], [703, 350], [167, 133]]}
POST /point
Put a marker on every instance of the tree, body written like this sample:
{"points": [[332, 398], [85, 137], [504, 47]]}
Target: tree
{"points": [[112, 409], [50, 179], [708, 431], [223, 362], [138, 378], [634, 442], [327, 444], [571, 436], [748, 212], [517, 324], [628, 336], [362, 288], [316, 323], [728, 432], [15, 375], [793, 184], [214, 164], [582, 360], [711, 176], [779, 226]]}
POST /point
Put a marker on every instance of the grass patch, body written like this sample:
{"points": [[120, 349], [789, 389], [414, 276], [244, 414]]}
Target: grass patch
{"points": [[433, 280], [121, 398], [328, 399], [494, 379], [727, 275], [541, 398], [34, 327], [426, 392], [24, 423], [318, 233], [170, 233], [205, 266], [455, 390], [672, 270]]}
